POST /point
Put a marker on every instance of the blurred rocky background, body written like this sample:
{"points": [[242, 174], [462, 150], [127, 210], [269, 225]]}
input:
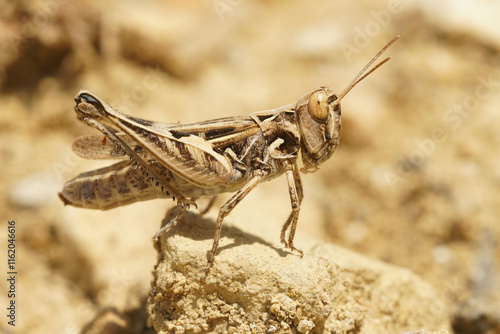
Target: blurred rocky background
{"points": [[414, 183]]}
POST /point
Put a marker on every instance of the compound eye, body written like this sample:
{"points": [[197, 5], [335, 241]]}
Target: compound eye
{"points": [[318, 106]]}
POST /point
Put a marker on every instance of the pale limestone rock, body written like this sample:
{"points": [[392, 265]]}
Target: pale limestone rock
{"points": [[258, 287]]}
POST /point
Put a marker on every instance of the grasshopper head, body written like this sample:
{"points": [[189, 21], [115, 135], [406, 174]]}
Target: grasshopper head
{"points": [[319, 125], [318, 117]]}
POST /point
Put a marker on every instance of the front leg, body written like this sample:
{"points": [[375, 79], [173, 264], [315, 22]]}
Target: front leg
{"points": [[296, 195], [224, 211]]}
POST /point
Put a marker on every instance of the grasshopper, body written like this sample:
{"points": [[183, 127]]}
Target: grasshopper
{"points": [[186, 161]]}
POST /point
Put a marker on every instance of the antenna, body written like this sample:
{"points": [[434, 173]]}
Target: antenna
{"points": [[357, 79]]}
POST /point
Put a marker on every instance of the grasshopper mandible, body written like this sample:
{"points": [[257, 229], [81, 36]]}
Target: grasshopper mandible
{"points": [[184, 162]]}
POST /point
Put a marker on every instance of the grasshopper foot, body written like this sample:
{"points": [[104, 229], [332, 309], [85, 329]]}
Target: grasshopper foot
{"points": [[181, 207], [185, 203], [290, 246], [206, 272], [301, 253]]}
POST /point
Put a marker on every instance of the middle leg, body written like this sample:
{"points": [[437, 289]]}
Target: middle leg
{"points": [[224, 211]]}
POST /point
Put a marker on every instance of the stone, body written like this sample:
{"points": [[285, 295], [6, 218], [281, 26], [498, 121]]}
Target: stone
{"points": [[257, 286]]}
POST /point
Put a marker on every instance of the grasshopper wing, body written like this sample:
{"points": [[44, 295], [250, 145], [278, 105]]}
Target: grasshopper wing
{"points": [[99, 148], [189, 156]]}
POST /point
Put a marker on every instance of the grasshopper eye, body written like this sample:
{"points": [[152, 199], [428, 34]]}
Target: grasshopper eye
{"points": [[318, 106]]}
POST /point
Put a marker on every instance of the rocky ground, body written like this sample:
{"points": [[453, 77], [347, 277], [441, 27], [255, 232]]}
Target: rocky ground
{"points": [[410, 196]]}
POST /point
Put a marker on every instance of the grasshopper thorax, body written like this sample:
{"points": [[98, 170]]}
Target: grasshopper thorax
{"points": [[319, 126]]}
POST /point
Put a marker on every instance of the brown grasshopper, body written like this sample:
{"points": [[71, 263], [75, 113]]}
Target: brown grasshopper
{"points": [[184, 162]]}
